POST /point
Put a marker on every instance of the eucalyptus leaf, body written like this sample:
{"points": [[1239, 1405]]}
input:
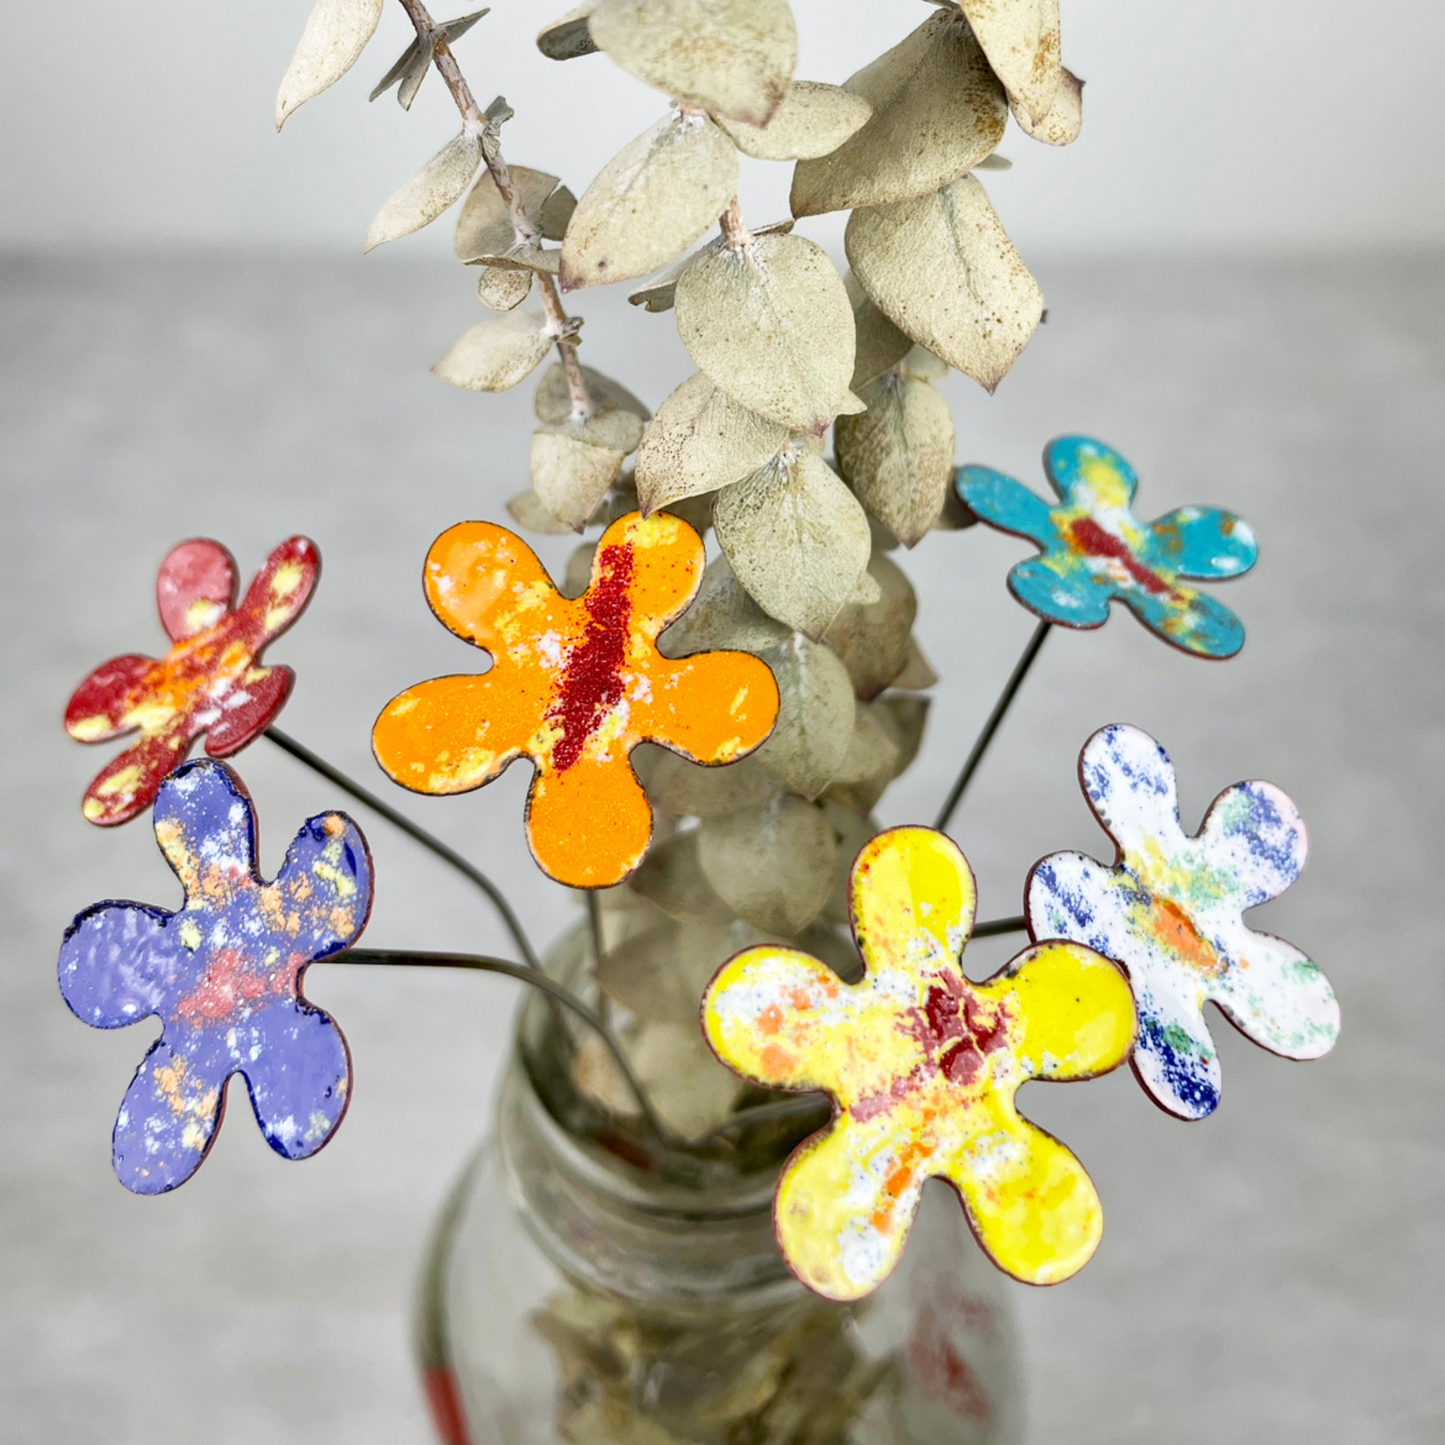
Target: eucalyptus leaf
{"points": [[568, 37], [570, 472], [687, 789], [527, 510], [577, 574], [484, 224], [732, 57], [769, 322], [672, 877], [438, 185], [898, 455], [872, 639], [688, 1087], [650, 202], [1021, 40], [553, 402], [701, 440], [659, 293], [872, 755], [853, 830], [815, 715], [336, 33], [1061, 123], [656, 975], [503, 288], [942, 270], [556, 214], [879, 344], [937, 111], [812, 120], [797, 539], [497, 354], [903, 717], [773, 866], [722, 616], [918, 673]]}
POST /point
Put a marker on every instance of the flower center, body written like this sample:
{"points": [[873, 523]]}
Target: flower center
{"points": [[1089, 537]]}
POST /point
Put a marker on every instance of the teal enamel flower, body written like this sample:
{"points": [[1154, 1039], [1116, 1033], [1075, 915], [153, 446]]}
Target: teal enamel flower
{"points": [[1093, 550]]}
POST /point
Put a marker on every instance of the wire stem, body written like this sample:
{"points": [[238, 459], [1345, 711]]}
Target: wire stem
{"points": [[995, 926], [386, 957], [980, 747], [303, 754]]}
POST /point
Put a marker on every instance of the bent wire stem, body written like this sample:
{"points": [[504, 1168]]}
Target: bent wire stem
{"points": [[538, 980], [397, 819], [996, 717]]}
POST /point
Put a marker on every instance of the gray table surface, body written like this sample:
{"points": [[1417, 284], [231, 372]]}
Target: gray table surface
{"points": [[1274, 1273]]}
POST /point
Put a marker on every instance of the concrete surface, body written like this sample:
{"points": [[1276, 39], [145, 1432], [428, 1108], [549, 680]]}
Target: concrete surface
{"points": [[1273, 1274]]}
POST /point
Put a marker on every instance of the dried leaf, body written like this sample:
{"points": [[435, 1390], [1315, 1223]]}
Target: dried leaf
{"points": [[693, 1093], [556, 214], [769, 322], [689, 789], [1063, 121], [872, 639], [722, 616], [872, 756], [732, 57], [824, 940], [812, 120], [903, 718], [571, 473], [416, 60], [937, 111], [879, 344], [658, 294], [672, 877], [553, 402], [853, 830], [815, 715], [650, 202], [918, 672], [658, 974], [1021, 40], [955, 515], [502, 288], [336, 33], [499, 353], [484, 225], [528, 511], [773, 866], [898, 456], [438, 185], [942, 270], [797, 539], [922, 365], [577, 575], [699, 441], [569, 37]]}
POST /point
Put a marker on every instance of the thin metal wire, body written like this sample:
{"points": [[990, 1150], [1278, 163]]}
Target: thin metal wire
{"points": [[318, 764], [798, 1104], [995, 926], [975, 757], [483, 964]]}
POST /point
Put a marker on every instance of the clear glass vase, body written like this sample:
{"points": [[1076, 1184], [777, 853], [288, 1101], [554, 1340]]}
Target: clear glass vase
{"points": [[584, 1286]]}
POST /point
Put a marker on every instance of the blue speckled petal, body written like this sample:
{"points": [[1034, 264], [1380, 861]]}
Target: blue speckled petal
{"points": [[300, 1082], [1067, 461], [1175, 1057], [1258, 830], [1188, 619], [1074, 599], [324, 886], [1204, 543], [1005, 503], [206, 826], [118, 964], [1129, 782], [167, 1120]]}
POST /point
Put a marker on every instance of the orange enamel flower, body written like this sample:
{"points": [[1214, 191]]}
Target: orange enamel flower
{"points": [[576, 686]]}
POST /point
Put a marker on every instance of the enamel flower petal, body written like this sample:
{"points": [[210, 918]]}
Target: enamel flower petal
{"points": [[923, 1066], [575, 686], [1094, 551], [1170, 911], [224, 977], [211, 681]]}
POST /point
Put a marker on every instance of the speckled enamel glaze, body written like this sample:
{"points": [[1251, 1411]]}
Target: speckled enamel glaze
{"points": [[224, 977], [576, 686], [1094, 550], [211, 681], [923, 1066], [1171, 910]]}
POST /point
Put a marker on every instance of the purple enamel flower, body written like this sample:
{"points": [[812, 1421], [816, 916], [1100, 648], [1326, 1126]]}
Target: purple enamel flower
{"points": [[224, 977]]}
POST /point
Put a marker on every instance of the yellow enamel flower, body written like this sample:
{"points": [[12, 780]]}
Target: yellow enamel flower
{"points": [[923, 1066]]}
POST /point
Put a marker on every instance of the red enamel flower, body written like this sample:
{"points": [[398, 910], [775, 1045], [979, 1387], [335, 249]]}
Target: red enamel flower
{"points": [[211, 681]]}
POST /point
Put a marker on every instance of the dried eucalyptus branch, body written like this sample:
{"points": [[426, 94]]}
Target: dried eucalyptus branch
{"points": [[480, 124]]}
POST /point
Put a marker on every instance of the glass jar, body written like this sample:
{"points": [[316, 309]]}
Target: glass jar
{"points": [[582, 1288]]}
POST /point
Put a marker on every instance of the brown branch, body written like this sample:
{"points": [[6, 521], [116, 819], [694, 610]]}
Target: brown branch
{"points": [[474, 120]]}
